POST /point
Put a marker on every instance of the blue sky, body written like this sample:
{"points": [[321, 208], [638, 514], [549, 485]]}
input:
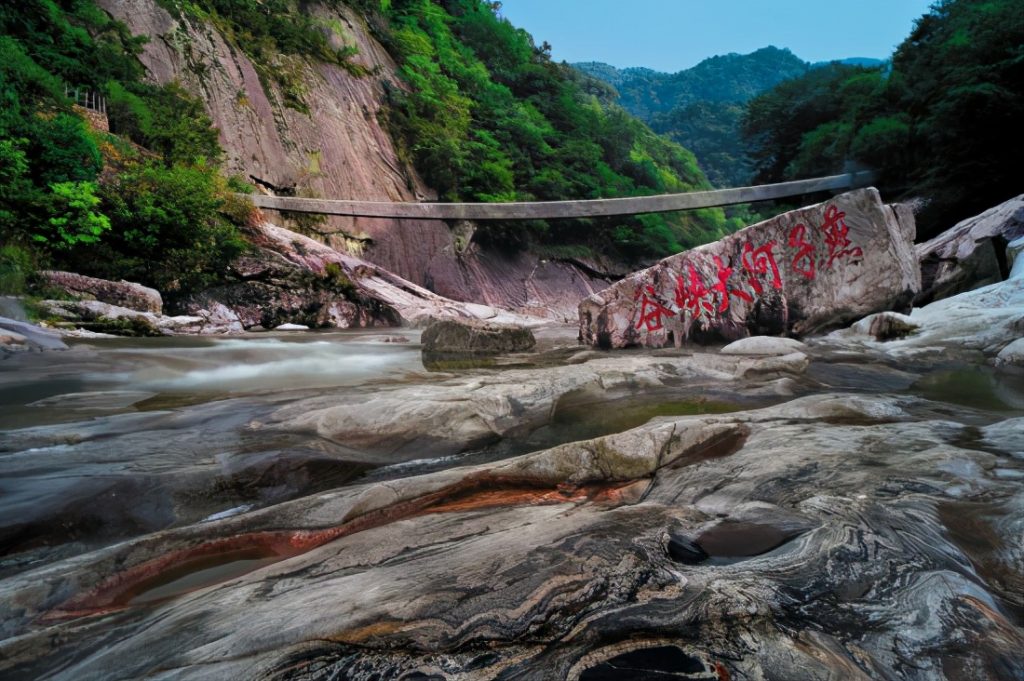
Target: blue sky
{"points": [[670, 35]]}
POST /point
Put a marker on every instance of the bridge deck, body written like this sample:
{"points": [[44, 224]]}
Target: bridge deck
{"points": [[662, 203]]}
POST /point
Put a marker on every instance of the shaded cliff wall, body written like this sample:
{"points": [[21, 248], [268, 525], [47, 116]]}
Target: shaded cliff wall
{"points": [[340, 150]]}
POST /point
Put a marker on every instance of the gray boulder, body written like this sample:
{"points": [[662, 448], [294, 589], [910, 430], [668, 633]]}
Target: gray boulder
{"points": [[971, 254], [16, 336], [121, 293], [801, 272], [471, 337]]}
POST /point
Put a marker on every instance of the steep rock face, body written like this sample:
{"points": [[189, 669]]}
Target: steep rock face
{"points": [[797, 273], [339, 150]]}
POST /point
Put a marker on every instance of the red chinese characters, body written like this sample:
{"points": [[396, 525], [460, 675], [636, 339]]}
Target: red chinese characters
{"points": [[803, 261], [758, 262], [693, 296], [836, 236], [652, 311], [722, 286]]}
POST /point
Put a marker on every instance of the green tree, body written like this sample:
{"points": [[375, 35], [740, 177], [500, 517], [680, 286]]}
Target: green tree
{"points": [[73, 217]]}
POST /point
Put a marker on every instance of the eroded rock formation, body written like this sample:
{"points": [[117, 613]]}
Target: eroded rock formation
{"points": [[798, 273], [971, 254]]}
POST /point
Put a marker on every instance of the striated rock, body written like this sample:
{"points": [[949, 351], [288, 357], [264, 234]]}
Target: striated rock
{"points": [[984, 320], [404, 422], [763, 345], [120, 293], [456, 337], [381, 297], [796, 541], [798, 273], [971, 254]]}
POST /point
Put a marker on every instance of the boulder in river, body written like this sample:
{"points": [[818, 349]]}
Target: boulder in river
{"points": [[471, 337], [798, 273], [971, 254], [121, 293]]}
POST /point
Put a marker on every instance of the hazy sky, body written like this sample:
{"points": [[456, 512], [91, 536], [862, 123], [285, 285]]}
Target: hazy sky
{"points": [[670, 35]]}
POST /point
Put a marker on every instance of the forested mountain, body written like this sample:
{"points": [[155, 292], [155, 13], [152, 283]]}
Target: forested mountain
{"points": [[479, 110], [701, 107], [723, 78], [491, 117], [946, 124]]}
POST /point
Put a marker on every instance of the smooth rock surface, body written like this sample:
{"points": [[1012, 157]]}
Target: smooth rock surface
{"points": [[1012, 354], [763, 345], [798, 273], [971, 254], [29, 335]]}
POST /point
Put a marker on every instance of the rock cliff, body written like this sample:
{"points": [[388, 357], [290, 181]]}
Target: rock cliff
{"points": [[340, 150]]}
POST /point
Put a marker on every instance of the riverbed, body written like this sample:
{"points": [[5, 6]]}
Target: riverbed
{"points": [[324, 505]]}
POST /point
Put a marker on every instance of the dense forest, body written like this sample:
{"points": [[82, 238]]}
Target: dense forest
{"points": [[490, 117], [486, 116], [145, 202], [702, 107], [944, 124]]}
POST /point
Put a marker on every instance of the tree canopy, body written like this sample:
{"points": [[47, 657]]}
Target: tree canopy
{"points": [[945, 123]]}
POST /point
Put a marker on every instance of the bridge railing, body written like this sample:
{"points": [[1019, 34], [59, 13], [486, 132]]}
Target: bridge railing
{"points": [[539, 210]]}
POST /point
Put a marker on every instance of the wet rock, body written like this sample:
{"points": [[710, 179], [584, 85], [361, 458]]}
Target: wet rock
{"points": [[93, 315], [1012, 355], [971, 254], [554, 565], [984, 320], [683, 549], [120, 293], [22, 335], [763, 345], [465, 337], [798, 273], [447, 417]]}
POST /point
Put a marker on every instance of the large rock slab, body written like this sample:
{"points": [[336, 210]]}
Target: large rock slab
{"points": [[971, 254], [800, 272], [451, 336], [121, 293], [834, 536]]}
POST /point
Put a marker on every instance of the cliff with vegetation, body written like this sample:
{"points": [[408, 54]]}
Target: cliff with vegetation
{"points": [[391, 101]]}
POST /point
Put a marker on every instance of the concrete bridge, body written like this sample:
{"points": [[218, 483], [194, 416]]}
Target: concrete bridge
{"points": [[541, 210]]}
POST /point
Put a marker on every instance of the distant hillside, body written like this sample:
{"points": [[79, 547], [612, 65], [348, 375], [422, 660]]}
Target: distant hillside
{"points": [[866, 62], [724, 78], [701, 107]]}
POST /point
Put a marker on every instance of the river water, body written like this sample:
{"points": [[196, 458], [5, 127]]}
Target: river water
{"points": [[118, 439]]}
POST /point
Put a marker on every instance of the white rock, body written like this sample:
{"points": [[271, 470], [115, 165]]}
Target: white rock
{"points": [[763, 345], [291, 327], [1012, 354]]}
